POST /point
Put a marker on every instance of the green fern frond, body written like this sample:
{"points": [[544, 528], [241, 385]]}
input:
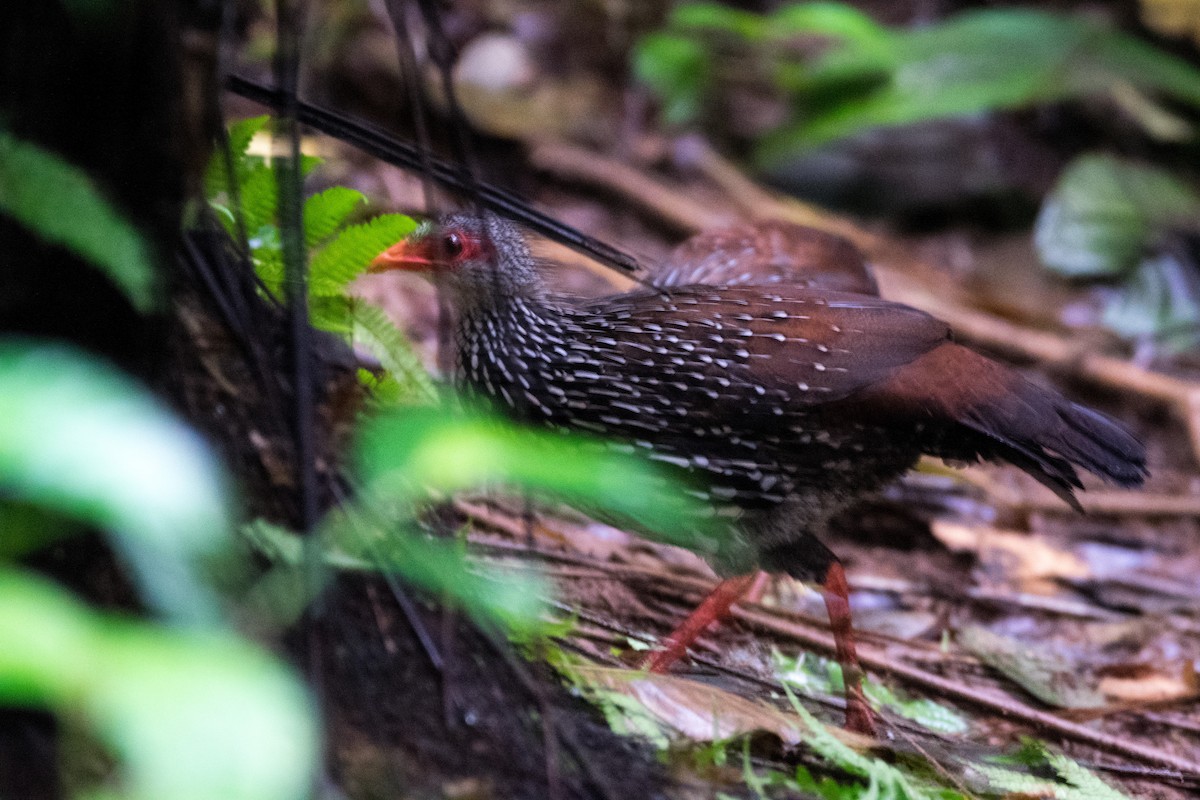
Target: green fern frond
{"points": [[884, 780], [375, 331], [216, 176], [326, 211], [268, 259], [333, 314], [1084, 781], [351, 251], [260, 198]]}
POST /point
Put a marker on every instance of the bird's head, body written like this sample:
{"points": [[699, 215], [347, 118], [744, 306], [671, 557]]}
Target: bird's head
{"points": [[480, 259]]}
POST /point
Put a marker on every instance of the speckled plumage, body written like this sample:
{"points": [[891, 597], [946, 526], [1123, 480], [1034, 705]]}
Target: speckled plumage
{"points": [[780, 399]]}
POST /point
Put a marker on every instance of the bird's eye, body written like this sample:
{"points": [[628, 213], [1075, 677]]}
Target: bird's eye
{"points": [[452, 245]]}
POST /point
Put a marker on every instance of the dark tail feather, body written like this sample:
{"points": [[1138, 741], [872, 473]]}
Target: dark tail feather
{"points": [[1047, 436], [989, 411]]}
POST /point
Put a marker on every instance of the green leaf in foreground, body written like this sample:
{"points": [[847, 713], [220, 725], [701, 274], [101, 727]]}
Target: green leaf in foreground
{"points": [[217, 179], [402, 451], [1099, 219], [78, 438], [61, 204], [189, 715], [366, 538]]}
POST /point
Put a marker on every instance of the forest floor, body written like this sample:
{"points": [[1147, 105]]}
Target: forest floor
{"points": [[991, 616]]}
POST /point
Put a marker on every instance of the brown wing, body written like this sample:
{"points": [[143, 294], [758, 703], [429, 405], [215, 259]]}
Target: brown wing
{"points": [[767, 253], [755, 352], [762, 346]]}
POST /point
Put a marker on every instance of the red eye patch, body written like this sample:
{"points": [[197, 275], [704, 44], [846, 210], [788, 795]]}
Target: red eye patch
{"points": [[458, 246], [448, 247]]}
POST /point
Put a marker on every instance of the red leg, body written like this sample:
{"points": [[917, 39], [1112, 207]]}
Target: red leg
{"points": [[836, 592], [714, 608]]}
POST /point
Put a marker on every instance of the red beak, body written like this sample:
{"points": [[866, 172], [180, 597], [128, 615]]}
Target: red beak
{"points": [[408, 254]]}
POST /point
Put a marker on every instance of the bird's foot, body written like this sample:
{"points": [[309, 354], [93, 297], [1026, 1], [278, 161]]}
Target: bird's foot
{"points": [[836, 592], [712, 609], [859, 716]]}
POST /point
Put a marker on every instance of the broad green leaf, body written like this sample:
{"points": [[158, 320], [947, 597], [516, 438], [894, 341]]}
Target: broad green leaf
{"points": [[351, 251], [78, 438], [61, 204], [401, 452], [189, 715], [835, 20], [374, 330], [1103, 213], [326, 211], [975, 62]]}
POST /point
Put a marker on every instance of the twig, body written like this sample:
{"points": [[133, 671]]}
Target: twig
{"points": [[669, 203], [1006, 706]]}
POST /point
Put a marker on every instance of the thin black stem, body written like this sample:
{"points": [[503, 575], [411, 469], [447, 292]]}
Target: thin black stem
{"points": [[382, 145]]}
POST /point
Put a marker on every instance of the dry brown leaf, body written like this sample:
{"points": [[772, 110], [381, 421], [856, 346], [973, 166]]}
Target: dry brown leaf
{"points": [[1027, 558], [705, 713], [1151, 685], [698, 711]]}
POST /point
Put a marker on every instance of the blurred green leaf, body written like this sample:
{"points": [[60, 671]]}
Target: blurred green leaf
{"points": [[869, 76], [835, 20], [78, 438], [378, 536], [401, 451], [815, 675], [677, 69], [351, 251], [980, 61], [884, 780], [1099, 219], [1073, 782], [189, 714], [719, 17], [61, 204], [1041, 672]]}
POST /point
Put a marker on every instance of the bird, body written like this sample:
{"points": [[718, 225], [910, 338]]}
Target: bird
{"points": [[767, 252], [762, 366]]}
